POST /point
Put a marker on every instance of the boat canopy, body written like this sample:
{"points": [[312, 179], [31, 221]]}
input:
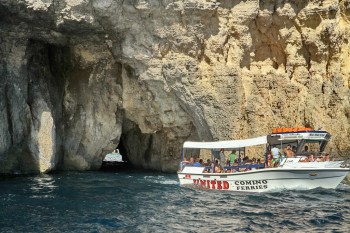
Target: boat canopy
{"points": [[272, 139], [231, 144], [290, 137]]}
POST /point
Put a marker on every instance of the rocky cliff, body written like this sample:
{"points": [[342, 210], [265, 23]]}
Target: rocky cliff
{"points": [[80, 77]]}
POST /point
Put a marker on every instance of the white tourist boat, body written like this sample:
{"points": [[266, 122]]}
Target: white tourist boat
{"points": [[291, 173], [113, 160], [114, 157]]}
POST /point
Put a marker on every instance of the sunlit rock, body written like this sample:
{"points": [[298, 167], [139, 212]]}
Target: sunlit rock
{"points": [[80, 78]]}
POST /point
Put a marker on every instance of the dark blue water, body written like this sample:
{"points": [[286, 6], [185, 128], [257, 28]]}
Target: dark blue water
{"points": [[154, 202]]}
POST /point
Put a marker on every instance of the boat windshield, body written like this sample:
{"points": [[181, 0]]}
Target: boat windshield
{"points": [[310, 147]]}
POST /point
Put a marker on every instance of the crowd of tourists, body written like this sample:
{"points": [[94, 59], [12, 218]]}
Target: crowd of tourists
{"points": [[238, 161]]}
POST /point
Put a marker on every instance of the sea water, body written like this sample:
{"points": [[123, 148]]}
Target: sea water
{"points": [[136, 201]]}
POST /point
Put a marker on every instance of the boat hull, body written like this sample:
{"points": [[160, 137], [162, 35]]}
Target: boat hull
{"points": [[271, 179]]}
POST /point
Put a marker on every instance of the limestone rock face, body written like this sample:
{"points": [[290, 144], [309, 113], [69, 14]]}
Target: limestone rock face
{"points": [[80, 77]]}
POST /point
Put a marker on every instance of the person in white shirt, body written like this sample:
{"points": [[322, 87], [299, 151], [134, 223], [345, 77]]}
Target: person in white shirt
{"points": [[275, 155], [222, 158]]}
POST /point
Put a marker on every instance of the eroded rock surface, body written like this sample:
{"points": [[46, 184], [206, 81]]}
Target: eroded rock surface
{"points": [[78, 77]]}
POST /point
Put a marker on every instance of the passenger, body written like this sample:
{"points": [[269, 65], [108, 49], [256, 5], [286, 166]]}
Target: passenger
{"points": [[306, 149], [247, 161], [240, 157], [208, 163], [191, 160], [232, 157], [207, 168], [222, 158], [244, 160], [217, 168], [185, 161], [311, 158], [269, 159], [320, 159], [275, 155], [289, 152], [305, 159], [327, 158], [199, 163]]}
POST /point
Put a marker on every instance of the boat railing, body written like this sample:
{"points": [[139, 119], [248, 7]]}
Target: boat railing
{"points": [[246, 166], [241, 167]]}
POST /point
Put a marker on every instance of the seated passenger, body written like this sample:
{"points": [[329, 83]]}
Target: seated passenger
{"points": [[327, 158], [249, 161], [320, 159], [253, 160], [217, 167], [218, 170], [245, 159], [199, 163], [311, 158], [185, 161], [306, 149], [208, 163]]}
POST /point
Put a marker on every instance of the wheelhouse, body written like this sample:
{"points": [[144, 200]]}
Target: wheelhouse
{"points": [[304, 142]]}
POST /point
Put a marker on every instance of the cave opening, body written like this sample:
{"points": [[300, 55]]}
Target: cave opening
{"points": [[122, 149], [118, 165]]}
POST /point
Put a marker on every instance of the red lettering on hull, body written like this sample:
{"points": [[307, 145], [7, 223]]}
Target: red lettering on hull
{"points": [[219, 185], [212, 184], [226, 185]]}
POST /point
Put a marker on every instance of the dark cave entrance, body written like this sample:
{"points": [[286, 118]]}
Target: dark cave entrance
{"points": [[122, 149]]}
